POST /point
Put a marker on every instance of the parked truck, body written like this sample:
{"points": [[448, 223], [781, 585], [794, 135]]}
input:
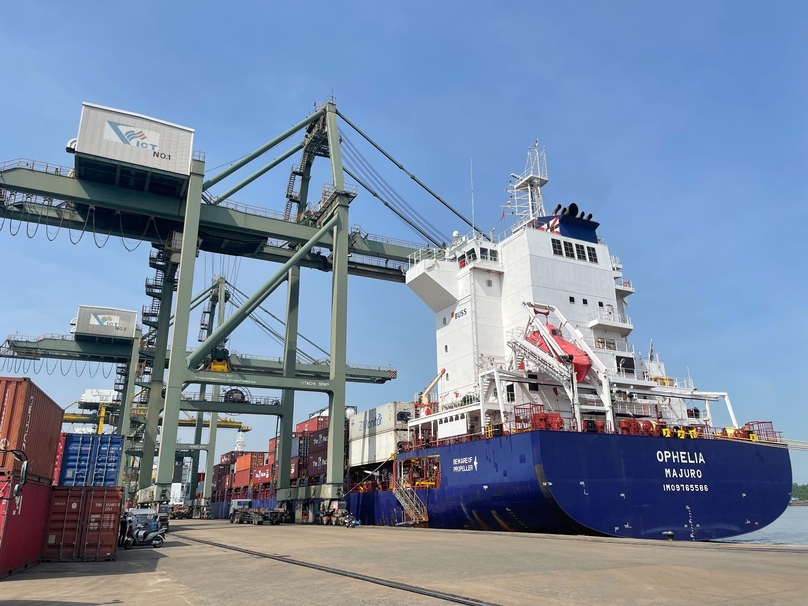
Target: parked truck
{"points": [[242, 512]]}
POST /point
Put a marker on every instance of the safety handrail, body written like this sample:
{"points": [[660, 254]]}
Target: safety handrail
{"points": [[44, 167]]}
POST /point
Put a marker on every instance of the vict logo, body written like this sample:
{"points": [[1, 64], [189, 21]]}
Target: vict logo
{"points": [[104, 320], [131, 135]]}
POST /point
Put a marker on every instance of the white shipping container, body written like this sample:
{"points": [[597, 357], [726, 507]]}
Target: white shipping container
{"points": [[374, 448], [105, 322], [380, 419], [123, 136]]}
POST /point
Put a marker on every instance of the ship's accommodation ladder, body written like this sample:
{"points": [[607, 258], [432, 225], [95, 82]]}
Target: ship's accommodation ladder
{"points": [[414, 507]]}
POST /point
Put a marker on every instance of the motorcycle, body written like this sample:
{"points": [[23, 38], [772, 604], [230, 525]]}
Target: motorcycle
{"points": [[143, 538], [347, 519]]}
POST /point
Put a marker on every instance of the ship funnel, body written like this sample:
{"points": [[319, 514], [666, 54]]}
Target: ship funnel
{"points": [[581, 216], [564, 211], [573, 209], [556, 209], [589, 217]]}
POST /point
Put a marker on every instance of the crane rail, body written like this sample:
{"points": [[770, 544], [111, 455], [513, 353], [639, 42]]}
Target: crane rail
{"points": [[441, 595]]}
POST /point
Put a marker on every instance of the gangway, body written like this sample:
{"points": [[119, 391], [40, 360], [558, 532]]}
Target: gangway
{"points": [[413, 506]]}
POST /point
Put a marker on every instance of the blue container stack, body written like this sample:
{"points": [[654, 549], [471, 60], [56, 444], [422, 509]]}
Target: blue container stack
{"points": [[91, 460]]}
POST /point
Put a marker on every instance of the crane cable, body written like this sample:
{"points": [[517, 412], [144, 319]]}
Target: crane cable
{"points": [[414, 178], [397, 203]]}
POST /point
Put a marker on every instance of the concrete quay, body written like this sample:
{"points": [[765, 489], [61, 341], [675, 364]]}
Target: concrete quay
{"points": [[482, 567]]}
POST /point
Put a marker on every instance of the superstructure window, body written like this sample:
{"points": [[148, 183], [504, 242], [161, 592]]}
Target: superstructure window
{"points": [[600, 303], [593, 254], [568, 250], [493, 255], [444, 318], [533, 386], [510, 393], [580, 252], [489, 282], [557, 247], [585, 301], [484, 254], [572, 299], [446, 348]]}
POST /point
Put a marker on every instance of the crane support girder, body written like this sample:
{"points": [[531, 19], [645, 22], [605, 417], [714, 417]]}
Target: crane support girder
{"points": [[217, 221]]}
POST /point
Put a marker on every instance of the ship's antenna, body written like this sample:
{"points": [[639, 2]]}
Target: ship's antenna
{"points": [[471, 171]]}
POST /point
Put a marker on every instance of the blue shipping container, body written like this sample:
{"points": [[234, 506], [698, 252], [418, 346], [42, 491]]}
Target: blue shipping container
{"points": [[91, 460]]}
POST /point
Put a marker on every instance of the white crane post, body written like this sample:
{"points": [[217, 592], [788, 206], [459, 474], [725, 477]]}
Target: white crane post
{"points": [[729, 409]]}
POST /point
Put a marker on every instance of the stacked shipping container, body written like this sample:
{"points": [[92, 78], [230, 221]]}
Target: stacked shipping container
{"points": [[29, 421], [83, 524], [88, 460], [373, 435]]}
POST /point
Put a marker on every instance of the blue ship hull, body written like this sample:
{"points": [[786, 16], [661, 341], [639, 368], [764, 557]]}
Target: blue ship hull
{"points": [[598, 484]]}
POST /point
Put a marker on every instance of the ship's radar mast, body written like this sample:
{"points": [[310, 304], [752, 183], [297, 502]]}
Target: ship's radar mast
{"points": [[526, 200]]}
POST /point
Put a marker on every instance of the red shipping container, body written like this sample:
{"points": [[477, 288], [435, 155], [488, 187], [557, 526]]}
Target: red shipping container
{"points": [[229, 458], [250, 460], [312, 424], [82, 524], [228, 481], [318, 441], [271, 459], [29, 421], [241, 478], [295, 468], [22, 525], [316, 465], [262, 475]]}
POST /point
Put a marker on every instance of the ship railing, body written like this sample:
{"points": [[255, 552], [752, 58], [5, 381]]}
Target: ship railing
{"points": [[427, 254], [492, 362], [622, 373], [616, 264], [624, 284], [610, 316], [632, 408], [610, 345], [664, 381]]}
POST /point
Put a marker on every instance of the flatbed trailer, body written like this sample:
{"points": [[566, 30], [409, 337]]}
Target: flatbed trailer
{"points": [[242, 512]]}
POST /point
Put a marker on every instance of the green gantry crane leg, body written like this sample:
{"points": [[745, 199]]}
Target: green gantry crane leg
{"points": [[177, 370]]}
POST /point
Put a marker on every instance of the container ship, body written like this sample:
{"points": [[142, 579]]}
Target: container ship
{"points": [[546, 419]]}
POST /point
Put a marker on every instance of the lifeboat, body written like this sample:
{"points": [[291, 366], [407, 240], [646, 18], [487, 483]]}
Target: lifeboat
{"points": [[580, 361]]}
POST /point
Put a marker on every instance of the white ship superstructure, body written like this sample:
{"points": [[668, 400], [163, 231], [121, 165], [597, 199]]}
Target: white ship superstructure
{"points": [[517, 317]]}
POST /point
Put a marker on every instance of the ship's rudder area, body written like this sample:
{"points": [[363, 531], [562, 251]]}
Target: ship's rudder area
{"points": [[661, 488]]}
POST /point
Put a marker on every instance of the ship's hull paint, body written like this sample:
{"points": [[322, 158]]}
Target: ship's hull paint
{"points": [[599, 484]]}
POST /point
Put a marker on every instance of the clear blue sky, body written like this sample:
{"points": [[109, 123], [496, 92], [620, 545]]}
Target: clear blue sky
{"points": [[681, 126]]}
